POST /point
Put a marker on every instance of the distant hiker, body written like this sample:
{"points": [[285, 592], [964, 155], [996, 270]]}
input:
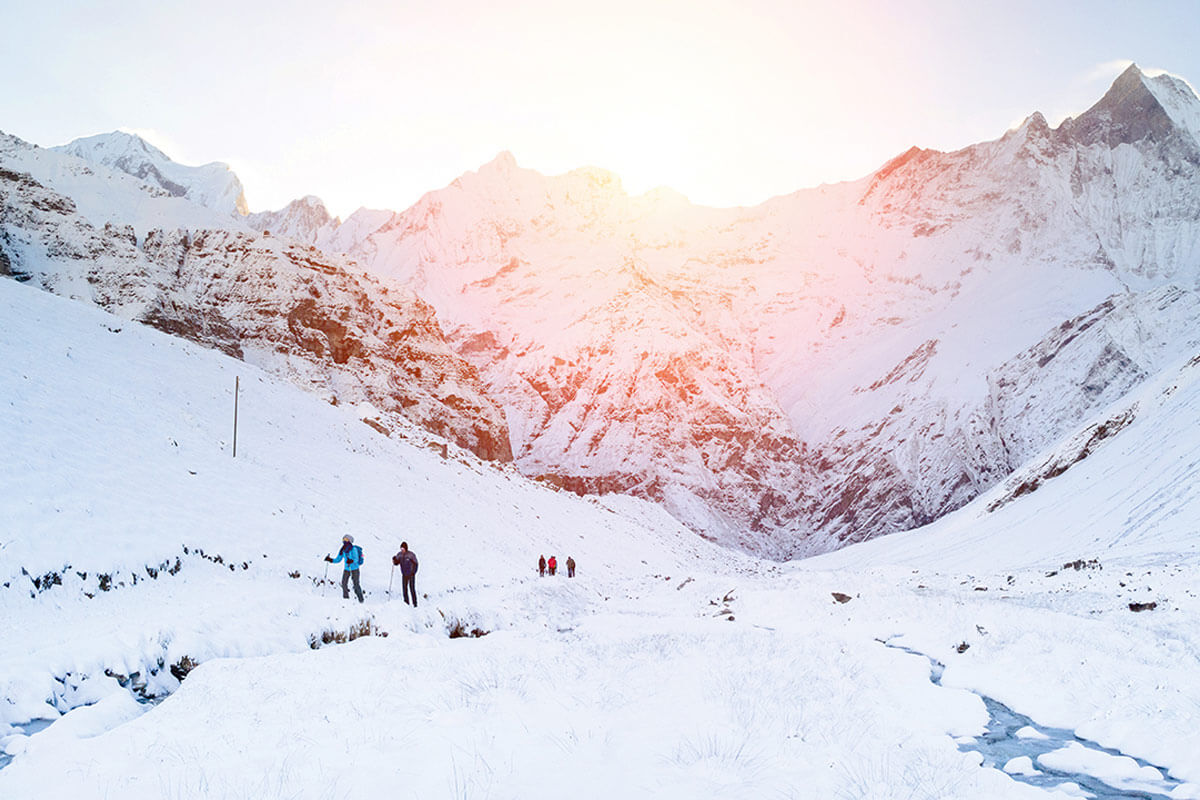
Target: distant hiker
{"points": [[552, 564], [570, 567], [541, 566], [353, 556], [406, 560]]}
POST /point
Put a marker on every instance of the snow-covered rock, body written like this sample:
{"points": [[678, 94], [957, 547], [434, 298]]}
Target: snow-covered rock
{"points": [[274, 303]]}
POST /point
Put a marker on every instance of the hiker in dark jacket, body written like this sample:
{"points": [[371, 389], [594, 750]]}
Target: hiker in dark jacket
{"points": [[406, 560], [354, 558], [570, 567], [541, 566]]}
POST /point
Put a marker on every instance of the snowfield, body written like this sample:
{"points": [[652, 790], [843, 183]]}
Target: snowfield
{"points": [[133, 542]]}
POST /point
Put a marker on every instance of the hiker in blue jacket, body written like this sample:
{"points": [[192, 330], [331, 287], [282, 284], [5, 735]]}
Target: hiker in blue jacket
{"points": [[353, 556]]}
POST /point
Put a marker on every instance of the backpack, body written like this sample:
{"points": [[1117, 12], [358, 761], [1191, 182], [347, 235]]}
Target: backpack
{"points": [[360, 555]]}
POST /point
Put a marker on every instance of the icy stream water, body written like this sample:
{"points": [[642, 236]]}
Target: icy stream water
{"points": [[38, 725], [29, 729], [1010, 735]]}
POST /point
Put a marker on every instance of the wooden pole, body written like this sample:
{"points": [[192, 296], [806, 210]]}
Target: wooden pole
{"points": [[236, 387]]}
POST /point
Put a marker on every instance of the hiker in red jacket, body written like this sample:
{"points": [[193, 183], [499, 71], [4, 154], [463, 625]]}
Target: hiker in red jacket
{"points": [[552, 564]]}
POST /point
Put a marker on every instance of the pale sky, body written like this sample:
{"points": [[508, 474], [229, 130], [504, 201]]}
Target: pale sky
{"points": [[373, 103]]}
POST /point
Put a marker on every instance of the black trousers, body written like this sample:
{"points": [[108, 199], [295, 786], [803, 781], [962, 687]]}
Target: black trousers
{"points": [[345, 584], [409, 582]]}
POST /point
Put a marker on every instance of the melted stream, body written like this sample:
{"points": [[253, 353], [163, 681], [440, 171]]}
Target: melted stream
{"points": [[1000, 743], [29, 729], [35, 726]]}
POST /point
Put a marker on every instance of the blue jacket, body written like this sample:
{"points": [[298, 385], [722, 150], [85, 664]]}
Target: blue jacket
{"points": [[354, 557]]}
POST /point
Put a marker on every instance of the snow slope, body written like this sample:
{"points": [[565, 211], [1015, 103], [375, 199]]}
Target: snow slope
{"points": [[668, 668], [1125, 484], [122, 487]]}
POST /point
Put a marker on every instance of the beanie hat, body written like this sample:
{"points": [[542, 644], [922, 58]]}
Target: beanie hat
{"points": [[348, 538]]}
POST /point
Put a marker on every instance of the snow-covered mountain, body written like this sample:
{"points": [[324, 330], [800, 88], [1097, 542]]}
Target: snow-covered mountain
{"points": [[211, 185], [271, 302], [829, 366], [303, 220], [832, 365]]}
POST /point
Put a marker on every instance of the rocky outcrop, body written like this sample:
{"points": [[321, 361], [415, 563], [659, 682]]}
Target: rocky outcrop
{"points": [[289, 309]]}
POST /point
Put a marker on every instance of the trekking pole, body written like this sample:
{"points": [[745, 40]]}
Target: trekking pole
{"points": [[325, 580], [391, 579]]}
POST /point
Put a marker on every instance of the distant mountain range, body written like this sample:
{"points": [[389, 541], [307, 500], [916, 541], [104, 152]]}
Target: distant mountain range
{"points": [[827, 367]]}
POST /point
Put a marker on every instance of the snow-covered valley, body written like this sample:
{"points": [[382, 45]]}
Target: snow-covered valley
{"points": [[669, 667], [977, 373]]}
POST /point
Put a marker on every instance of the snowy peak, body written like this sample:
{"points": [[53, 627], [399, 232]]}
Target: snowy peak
{"points": [[504, 163], [1035, 123], [310, 201], [115, 146], [212, 185], [503, 173], [1179, 100], [1129, 112], [301, 220]]}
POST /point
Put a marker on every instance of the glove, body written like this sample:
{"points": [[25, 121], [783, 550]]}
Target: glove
{"points": [[327, 558], [395, 561]]}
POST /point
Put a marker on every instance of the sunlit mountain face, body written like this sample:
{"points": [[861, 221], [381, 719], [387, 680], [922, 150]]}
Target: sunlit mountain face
{"points": [[829, 366]]}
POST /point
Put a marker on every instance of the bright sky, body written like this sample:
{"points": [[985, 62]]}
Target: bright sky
{"points": [[375, 102]]}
